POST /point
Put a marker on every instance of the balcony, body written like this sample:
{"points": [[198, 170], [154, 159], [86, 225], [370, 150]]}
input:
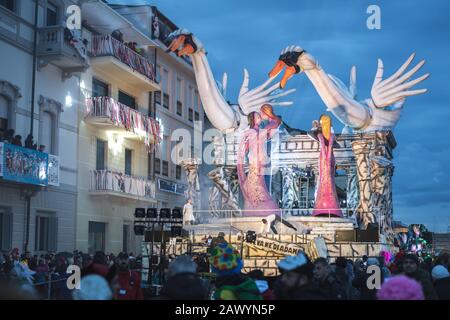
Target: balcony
{"points": [[28, 166], [55, 46], [109, 114], [112, 183], [119, 61]]}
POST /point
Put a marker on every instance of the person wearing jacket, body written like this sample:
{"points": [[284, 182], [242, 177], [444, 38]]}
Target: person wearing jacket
{"points": [[411, 269], [231, 284], [441, 280]]}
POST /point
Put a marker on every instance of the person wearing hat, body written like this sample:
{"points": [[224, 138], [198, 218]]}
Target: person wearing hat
{"points": [[183, 282], [93, 287], [126, 283], [296, 280], [400, 288], [411, 269], [441, 280], [226, 263]]}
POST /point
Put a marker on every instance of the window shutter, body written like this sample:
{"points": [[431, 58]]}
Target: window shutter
{"points": [[7, 230], [52, 233]]}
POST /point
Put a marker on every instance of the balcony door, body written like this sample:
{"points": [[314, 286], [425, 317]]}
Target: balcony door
{"points": [[97, 237], [127, 100], [99, 88], [128, 161], [101, 155]]}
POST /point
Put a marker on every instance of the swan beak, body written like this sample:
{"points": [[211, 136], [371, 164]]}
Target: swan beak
{"points": [[290, 71], [277, 69], [176, 43], [187, 49]]}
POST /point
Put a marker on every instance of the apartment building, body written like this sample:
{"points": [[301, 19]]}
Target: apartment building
{"points": [[117, 134], [38, 189], [177, 105]]}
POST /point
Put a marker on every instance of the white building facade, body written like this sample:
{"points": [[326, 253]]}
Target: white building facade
{"points": [[47, 222]]}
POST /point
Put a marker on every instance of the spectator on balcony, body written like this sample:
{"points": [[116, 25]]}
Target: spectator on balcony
{"points": [[29, 142], [41, 148], [17, 140], [116, 34]]}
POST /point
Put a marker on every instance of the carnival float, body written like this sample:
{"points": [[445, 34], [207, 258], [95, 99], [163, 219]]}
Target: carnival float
{"points": [[276, 190]]}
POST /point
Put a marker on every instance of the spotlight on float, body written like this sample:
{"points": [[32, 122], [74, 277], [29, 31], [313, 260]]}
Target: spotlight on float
{"points": [[139, 229], [164, 213], [139, 213], [176, 214], [152, 213], [250, 236]]}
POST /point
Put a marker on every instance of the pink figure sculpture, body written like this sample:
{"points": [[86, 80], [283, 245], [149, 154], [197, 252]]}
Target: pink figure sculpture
{"points": [[257, 199], [326, 200]]}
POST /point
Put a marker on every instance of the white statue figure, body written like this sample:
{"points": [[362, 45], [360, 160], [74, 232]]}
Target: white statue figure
{"points": [[224, 117], [380, 112]]}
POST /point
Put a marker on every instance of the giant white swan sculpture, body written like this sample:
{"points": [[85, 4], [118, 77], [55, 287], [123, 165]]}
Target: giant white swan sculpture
{"points": [[226, 118], [380, 112]]}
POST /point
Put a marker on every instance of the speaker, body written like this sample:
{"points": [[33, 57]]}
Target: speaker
{"points": [[139, 213], [176, 213], [176, 231], [345, 236], [157, 236], [368, 235], [139, 230], [164, 213], [152, 213]]}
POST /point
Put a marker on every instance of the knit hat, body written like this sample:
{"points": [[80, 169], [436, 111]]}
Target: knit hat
{"points": [[439, 272], [225, 260], [93, 287], [373, 262], [182, 264], [400, 288]]}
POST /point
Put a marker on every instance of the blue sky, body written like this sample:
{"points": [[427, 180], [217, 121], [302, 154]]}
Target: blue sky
{"points": [[250, 34]]}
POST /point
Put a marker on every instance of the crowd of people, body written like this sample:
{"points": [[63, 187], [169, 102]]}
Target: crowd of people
{"points": [[218, 275]]}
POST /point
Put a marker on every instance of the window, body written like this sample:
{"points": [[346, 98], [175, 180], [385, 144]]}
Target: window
{"points": [[149, 166], [5, 229], [178, 172], [166, 101], [196, 98], [128, 161], [99, 88], [52, 14], [179, 100], [179, 108], [158, 98], [165, 168], [151, 107], [97, 237], [126, 238], [8, 4], [4, 110], [47, 124], [191, 115], [165, 87], [157, 166], [101, 155], [197, 116], [49, 115], [46, 231], [127, 100]]}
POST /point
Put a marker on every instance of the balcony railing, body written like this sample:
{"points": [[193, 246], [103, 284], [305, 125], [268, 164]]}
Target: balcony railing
{"points": [[123, 116], [105, 45], [56, 44], [107, 180], [28, 166]]}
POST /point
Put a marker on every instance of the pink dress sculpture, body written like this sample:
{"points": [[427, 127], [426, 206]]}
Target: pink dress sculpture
{"points": [[257, 199], [326, 200]]}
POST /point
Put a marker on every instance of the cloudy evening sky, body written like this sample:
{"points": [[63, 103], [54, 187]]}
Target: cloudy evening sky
{"points": [[250, 34]]}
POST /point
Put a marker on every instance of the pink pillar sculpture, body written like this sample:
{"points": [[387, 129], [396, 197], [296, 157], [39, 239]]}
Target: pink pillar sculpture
{"points": [[326, 200]]}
